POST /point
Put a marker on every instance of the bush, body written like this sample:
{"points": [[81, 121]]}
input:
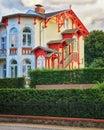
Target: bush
{"points": [[12, 82], [87, 103], [78, 76]]}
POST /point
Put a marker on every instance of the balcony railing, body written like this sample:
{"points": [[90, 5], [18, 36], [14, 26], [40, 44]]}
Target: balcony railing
{"points": [[3, 53]]}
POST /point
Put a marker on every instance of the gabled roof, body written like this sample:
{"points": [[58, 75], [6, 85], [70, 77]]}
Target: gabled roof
{"points": [[45, 49], [23, 14], [48, 15], [68, 40], [31, 12], [70, 31]]}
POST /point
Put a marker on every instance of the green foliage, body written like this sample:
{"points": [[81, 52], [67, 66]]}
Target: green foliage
{"points": [[87, 103], [94, 49], [78, 76], [12, 83]]}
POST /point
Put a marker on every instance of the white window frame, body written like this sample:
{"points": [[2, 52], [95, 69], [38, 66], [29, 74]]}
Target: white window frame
{"points": [[25, 37], [13, 37], [26, 67], [41, 62], [3, 42], [13, 68], [75, 44]]}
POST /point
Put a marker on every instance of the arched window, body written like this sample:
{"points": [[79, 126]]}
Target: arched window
{"points": [[13, 37], [26, 67], [41, 62], [26, 37], [13, 68]]}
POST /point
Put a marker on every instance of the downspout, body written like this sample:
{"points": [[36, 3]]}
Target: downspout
{"points": [[40, 32]]}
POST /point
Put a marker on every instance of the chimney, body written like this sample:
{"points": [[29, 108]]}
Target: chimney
{"points": [[39, 9]]}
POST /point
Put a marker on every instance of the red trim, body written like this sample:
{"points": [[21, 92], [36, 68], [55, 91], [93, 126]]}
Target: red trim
{"points": [[53, 118], [48, 63], [18, 19], [34, 20], [26, 51], [46, 21], [78, 53], [61, 17], [13, 51], [6, 22], [58, 61], [78, 23], [62, 57]]}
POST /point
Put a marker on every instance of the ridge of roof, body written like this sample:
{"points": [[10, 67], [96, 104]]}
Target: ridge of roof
{"points": [[33, 13], [24, 14], [48, 15]]}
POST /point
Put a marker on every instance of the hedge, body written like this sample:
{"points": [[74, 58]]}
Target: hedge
{"points": [[78, 76], [86, 103], [12, 82]]}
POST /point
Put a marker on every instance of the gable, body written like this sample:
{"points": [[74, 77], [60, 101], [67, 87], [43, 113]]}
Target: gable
{"points": [[61, 16]]}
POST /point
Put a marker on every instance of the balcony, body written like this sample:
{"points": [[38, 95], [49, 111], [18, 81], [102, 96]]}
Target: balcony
{"points": [[3, 53]]}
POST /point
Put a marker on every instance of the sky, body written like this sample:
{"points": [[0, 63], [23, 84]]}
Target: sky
{"points": [[90, 12]]}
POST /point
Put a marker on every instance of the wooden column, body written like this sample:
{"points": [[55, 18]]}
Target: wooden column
{"points": [[78, 53], [62, 57]]}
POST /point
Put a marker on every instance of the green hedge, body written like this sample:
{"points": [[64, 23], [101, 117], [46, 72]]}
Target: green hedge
{"points": [[12, 82], [79, 76], [88, 103]]}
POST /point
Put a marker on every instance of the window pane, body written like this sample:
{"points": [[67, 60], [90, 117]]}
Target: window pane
{"points": [[29, 39], [27, 30], [13, 31], [24, 39], [13, 37]]}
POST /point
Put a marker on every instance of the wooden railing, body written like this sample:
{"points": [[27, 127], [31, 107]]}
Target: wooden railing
{"points": [[13, 51], [69, 58], [26, 51]]}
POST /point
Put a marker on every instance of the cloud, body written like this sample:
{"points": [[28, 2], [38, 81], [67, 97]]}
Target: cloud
{"points": [[82, 2], [30, 3]]}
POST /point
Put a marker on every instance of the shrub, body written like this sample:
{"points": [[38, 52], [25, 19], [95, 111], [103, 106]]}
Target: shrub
{"points": [[12, 83], [87, 103], [78, 76]]}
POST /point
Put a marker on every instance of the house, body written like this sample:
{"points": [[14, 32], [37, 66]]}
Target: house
{"points": [[36, 39]]}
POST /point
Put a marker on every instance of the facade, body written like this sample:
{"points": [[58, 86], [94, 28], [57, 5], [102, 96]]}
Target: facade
{"points": [[40, 40]]}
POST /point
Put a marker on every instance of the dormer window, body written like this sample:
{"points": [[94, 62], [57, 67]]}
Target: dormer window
{"points": [[26, 37], [13, 37]]}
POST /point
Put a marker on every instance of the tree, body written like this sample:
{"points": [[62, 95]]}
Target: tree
{"points": [[94, 49]]}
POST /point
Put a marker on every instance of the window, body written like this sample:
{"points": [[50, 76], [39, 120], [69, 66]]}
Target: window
{"points": [[26, 67], [75, 44], [4, 71], [13, 37], [3, 43], [13, 68], [41, 62], [26, 37], [66, 24]]}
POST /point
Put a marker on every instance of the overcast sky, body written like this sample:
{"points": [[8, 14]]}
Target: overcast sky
{"points": [[90, 12]]}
